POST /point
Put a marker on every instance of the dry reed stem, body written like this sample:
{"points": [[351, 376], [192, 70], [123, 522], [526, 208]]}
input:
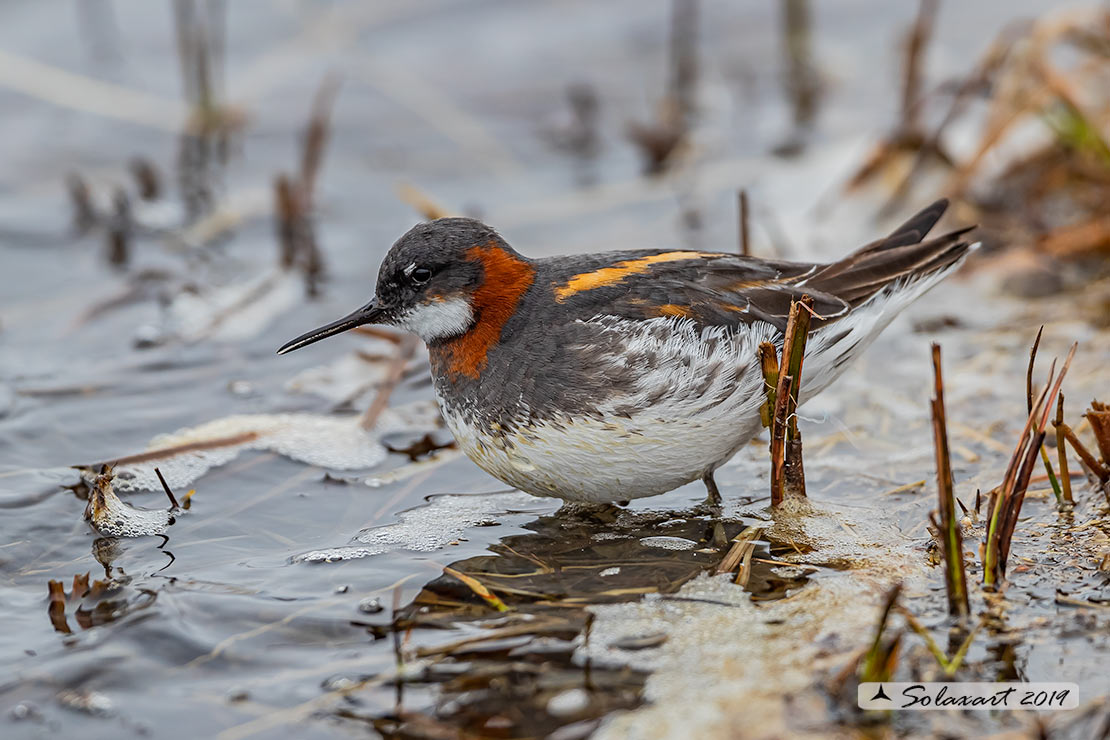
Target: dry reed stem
{"points": [[1092, 464], [1062, 452], [735, 555], [787, 470], [1029, 409], [745, 234], [1006, 500], [166, 488], [1098, 416], [478, 588], [165, 452], [769, 364], [421, 202], [778, 439]]}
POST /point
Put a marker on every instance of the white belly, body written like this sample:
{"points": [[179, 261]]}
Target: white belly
{"points": [[685, 415], [593, 461]]}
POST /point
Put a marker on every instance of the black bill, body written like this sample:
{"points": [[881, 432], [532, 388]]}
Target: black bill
{"points": [[368, 314]]}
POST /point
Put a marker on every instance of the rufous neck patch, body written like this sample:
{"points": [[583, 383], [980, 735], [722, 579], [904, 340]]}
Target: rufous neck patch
{"points": [[619, 271], [506, 278]]}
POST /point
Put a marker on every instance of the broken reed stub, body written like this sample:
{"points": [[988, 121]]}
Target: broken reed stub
{"points": [[949, 534], [787, 470]]}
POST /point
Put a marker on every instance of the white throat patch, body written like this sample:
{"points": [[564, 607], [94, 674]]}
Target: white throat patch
{"points": [[439, 319]]}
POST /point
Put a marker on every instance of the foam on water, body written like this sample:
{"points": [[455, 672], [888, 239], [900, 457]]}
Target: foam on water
{"points": [[336, 443], [427, 528], [111, 517], [234, 312], [344, 378]]}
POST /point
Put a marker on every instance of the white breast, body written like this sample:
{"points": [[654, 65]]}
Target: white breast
{"points": [[694, 401]]}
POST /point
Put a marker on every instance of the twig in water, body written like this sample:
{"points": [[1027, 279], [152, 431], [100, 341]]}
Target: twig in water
{"points": [[659, 140], [1098, 416], [802, 82], [120, 228], [951, 539], [916, 42], [745, 245], [478, 588], [787, 471], [316, 136], [147, 180], [1005, 501], [1062, 452], [84, 214], [396, 370], [778, 439], [166, 488], [1092, 464], [769, 364], [287, 218], [294, 196], [735, 555]]}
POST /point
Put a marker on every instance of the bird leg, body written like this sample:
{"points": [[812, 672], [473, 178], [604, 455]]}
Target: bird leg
{"points": [[712, 503]]}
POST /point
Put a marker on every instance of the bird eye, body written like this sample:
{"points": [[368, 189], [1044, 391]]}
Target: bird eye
{"points": [[421, 275]]}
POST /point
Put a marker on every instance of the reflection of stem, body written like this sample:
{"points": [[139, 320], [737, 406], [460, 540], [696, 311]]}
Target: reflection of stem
{"points": [[948, 665], [398, 655], [923, 633], [958, 658]]}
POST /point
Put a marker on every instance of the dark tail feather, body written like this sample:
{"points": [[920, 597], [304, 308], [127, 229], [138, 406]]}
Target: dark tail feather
{"points": [[917, 228], [900, 256]]}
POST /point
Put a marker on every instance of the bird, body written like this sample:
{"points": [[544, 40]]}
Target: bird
{"points": [[601, 378]]}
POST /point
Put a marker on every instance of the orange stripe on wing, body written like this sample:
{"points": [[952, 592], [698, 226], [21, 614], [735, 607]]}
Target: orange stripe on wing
{"points": [[619, 271], [673, 309]]}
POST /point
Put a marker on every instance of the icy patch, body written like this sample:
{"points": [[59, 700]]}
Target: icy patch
{"points": [[669, 543], [427, 528], [336, 443]]}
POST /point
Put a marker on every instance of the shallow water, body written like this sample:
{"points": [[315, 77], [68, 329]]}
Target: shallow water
{"points": [[269, 607]]}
